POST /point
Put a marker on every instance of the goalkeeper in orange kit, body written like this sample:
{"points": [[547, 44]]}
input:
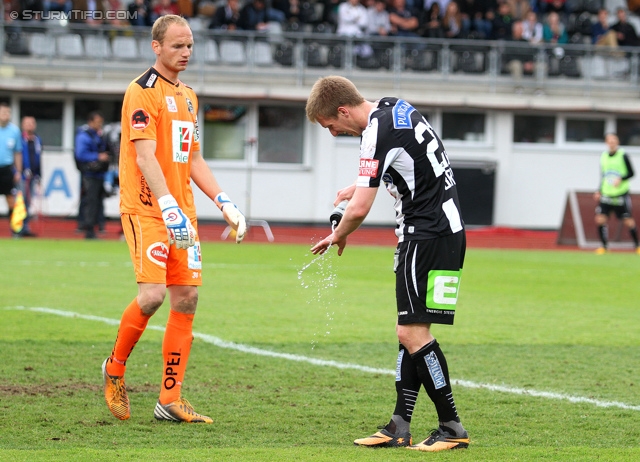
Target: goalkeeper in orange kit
{"points": [[159, 156]]}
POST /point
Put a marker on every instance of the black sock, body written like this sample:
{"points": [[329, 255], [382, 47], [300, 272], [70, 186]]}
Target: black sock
{"points": [[634, 235], [407, 388], [434, 374], [602, 231]]}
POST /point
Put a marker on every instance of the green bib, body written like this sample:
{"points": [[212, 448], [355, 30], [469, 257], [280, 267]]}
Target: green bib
{"points": [[612, 168]]}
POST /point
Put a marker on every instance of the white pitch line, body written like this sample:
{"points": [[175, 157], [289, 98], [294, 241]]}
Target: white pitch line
{"points": [[213, 340]]}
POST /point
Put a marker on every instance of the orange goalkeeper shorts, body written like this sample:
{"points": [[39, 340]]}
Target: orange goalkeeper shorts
{"points": [[154, 262]]}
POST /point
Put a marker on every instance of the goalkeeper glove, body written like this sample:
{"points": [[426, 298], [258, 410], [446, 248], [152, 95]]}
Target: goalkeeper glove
{"points": [[232, 215], [179, 227]]}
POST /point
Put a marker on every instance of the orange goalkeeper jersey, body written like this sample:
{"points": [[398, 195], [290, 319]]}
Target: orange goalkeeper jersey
{"points": [[156, 109]]}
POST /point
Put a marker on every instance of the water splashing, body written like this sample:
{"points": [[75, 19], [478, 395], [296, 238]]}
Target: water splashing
{"points": [[322, 281]]}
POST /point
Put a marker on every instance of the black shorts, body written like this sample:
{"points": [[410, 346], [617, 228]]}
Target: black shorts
{"points": [[6, 180], [428, 278], [620, 205]]}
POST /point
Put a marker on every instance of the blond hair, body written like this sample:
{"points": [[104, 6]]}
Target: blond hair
{"points": [[328, 94], [159, 29]]}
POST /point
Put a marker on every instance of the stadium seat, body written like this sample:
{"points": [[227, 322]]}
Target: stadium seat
{"points": [[70, 46], [125, 48], [97, 46], [284, 54], [262, 54], [41, 44], [145, 51], [211, 54], [232, 52]]}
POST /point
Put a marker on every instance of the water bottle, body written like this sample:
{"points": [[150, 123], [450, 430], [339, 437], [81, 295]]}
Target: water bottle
{"points": [[337, 213]]}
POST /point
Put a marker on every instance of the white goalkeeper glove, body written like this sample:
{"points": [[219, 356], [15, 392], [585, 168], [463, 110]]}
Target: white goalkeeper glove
{"points": [[179, 227], [232, 215]]}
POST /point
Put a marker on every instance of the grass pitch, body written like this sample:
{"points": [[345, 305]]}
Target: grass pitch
{"points": [[563, 326]]}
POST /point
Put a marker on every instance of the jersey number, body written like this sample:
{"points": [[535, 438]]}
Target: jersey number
{"points": [[438, 167]]}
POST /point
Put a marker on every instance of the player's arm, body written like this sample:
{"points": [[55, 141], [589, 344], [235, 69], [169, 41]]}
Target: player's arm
{"points": [[204, 178], [345, 194], [180, 231], [150, 168], [630, 171], [17, 162], [357, 210]]}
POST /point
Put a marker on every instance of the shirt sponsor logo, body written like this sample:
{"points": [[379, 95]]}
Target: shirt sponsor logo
{"points": [[402, 114], [182, 138], [158, 253], [140, 119], [151, 80], [435, 370], [171, 104], [368, 167]]}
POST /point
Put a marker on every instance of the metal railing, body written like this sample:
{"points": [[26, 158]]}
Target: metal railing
{"points": [[295, 57]]}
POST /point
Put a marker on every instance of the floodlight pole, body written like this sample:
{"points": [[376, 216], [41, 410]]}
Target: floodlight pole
{"points": [[252, 143]]}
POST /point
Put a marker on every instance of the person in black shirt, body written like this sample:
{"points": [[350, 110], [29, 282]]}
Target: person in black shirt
{"points": [[399, 148]]}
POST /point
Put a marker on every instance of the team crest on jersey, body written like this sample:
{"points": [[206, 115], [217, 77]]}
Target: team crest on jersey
{"points": [[189, 105], [140, 119], [171, 104], [158, 253], [402, 114], [368, 167], [182, 139]]}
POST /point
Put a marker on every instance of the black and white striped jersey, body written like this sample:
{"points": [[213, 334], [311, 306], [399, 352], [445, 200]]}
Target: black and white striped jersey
{"points": [[401, 149]]}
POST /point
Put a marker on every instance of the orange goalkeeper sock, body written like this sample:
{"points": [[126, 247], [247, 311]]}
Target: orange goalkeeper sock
{"points": [[176, 347], [132, 325]]}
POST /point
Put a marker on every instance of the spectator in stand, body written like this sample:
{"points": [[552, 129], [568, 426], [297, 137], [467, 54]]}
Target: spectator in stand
{"points": [[57, 5], [520, 59], [452, 21], [519, 9], [558, 6], [330, 12], [255, 16], [532, 30], [95, 7], [226, 17], [115, 21], [553, 30], [601, 32], [404, 23], [626, 33], [474, 23], [164, 7], [140, 13], [31, 152], [378, 22], [296, 12], [352, 19], [503, 22], [431, 22]]}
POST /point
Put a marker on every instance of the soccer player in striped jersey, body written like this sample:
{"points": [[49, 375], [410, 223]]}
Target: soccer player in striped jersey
{"points": [[399, 148]]}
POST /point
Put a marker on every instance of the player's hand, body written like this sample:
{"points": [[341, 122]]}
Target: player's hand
{"points": [[322, 246], [179, 227], [345, 194], [232, 216]]}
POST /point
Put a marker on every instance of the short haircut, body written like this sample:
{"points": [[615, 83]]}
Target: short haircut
{"points": [[159, 29], [5, 104], [92, 116], [330, 93]]}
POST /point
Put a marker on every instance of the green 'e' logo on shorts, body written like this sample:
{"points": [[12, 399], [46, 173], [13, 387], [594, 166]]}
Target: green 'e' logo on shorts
{"points": [[442, 289]]}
